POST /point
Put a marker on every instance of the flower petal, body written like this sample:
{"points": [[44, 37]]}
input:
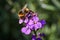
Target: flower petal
{"points": [[36, 26], [20, 21], [30, 22], [28, 31], [39, 24], [43, 22], [23, 30], [26, 20], [35, 18]]}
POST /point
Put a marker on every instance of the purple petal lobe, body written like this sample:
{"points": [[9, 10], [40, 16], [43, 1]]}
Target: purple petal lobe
{"points": [[39, 24], [43, 22], [20, 21], [35, 18], [36, 26], [26, 20], [23, 30], [30, 22], [28, 31], [31, 27]]}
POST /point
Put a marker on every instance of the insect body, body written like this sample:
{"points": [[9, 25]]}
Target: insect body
{"points": [[22, 13], [25, 12]]}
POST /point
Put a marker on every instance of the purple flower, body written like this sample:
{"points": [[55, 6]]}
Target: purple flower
{"points": [[43, 22], [21, 20], [36, 38], [26, 30], [34, 23]]}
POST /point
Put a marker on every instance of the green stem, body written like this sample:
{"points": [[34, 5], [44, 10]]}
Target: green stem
{"points": [[35, 33]]}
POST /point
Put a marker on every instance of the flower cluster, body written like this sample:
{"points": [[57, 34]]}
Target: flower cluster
{"points": [[38, 37], [32, 23]]}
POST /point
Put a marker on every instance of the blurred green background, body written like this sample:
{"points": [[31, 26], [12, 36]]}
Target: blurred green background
{"points": [[46, 9]]}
